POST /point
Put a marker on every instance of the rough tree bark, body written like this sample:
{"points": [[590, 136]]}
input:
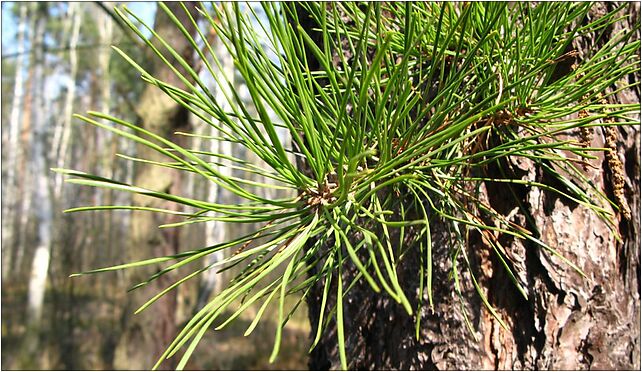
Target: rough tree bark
{"points": [[568, 323], [146, 335]]}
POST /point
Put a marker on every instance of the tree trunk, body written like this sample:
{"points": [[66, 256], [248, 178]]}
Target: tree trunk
{"points": [[63, 307], [146, 335], [10, 201], [105, 33], [63, 133], [25, 184], [216, 231], [569, 322], [44, 212]]}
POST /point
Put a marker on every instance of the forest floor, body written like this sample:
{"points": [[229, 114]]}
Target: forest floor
{"points": [[83, 335]]}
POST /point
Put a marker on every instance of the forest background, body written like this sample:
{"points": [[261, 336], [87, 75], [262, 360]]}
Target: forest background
{"points": [[57, 61]]}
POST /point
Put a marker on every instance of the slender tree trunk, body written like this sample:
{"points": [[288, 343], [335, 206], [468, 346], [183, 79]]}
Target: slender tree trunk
{"points": [[11, 199], [41, 259], [569, 322], [216, 231], [26, 138], [105, 34], [105, 142], [63, 306], [112, 240], [63, 133], [147, 334]]}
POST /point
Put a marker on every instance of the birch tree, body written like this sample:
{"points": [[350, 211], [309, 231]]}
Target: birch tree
{"points": [[10, 202], [42, 191], [216, 232], [62, 133], [26, 176]]}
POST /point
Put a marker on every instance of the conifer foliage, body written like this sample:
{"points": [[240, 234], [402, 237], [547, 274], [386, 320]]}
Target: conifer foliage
{"points": [[410, 105]]}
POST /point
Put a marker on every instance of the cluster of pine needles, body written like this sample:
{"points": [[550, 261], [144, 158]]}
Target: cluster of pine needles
{"points": [[396, 110]]}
